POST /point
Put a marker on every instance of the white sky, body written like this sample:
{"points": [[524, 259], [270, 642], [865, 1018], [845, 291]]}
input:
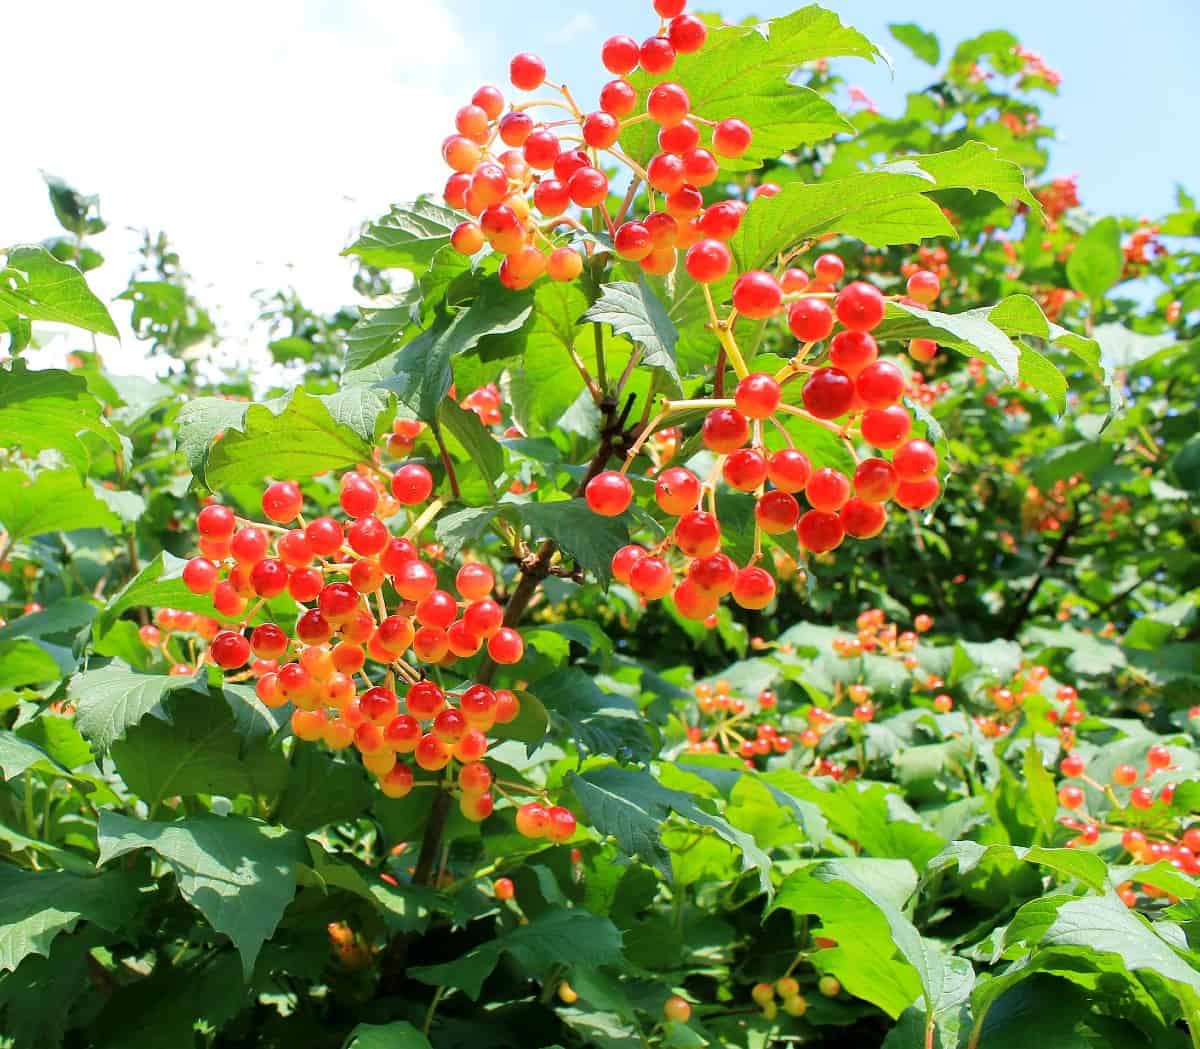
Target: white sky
{"points": [[256, 133]]}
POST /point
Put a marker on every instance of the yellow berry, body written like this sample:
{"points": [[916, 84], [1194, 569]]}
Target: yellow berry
{"points": [[567, 994], [762, 993], [795, 1005], [787, 987]]}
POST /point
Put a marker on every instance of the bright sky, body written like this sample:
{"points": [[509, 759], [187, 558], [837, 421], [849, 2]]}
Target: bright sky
{"points": [[258, 134]]}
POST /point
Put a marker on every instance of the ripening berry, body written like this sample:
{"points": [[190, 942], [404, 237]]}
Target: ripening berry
{"points": [[324, 536], [708, 260], [725, 430], [669, 8], [483, 618], [651, 577], [919, 495], [619, 54], [1070, 797], [875, 480], [679, 139], [860, 306], [757, 395], [226, 600], [668, 104], [618, 98], [677, 491], [1158, 757], [533, 820], [505, 646], [685, 204], [455, 191], [721, 221], [810, 320], [588, 187], [677, 1010], [715, 574], [1141, 797], [200, 575], [923, 287], [601, 130], [698, 534], [216, 522], [282, 502], [476, 807], [943, 703], [527, 72], [828, 489], [922, 350], [431, 753], [666, 173], [756, 294], [368, 536], [150, 635], [358, 497], [753, 589], [467, 238], [829, 986], [829, 269], [915, 461], [564, 264], [687, 34], [411, 484], [562, 824], [229, 650], [515, 128], [504, 889], [862, 519], [731, 138], [474, 581], [820, 531], [1072, 766], [633, 241], [609, 493], [624, 560], [540, 151], [745, 469], [490, 100], [656, 55], [789, 470], [461, 154], [852, 351], [828, 393], [1125, 775], [777, 512]]}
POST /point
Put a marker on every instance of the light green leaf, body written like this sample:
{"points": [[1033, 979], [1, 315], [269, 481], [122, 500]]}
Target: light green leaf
{"points": [[1097, 261], [35, 285], [112, 699], [634, 310], [598, 722], [587, 538], [50, 501], [398, 1035], [923, 44], [407, 237], [50, 408], [480, 446], [238, 872]]}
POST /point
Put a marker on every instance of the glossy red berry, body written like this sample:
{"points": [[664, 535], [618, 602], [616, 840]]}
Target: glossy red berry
{"points": [[886, 427], [677, 491], [915, 461], [618, 98], [732, 137], [789, 470], [527, 72], [669, 8], [810, 320], [505, 646], [745, 469], [863, 519], [820, 532], [200, 575], [698, 534], [601, 130], [229, 650], [679, 139], [757, 396], [753, 589], [619, 54], [860, 306], [412, 484], [1158, 757], [829, 269], [880, 384], [875, 480], [756, 294], [919, 495], [725, 430], [282, 502], [359, 496], [721, 220], [777, 512], [624, 560], [852, 351], [714, 574], [828, 489], [656, 55], [828, 393], [1072, 766], [609, 493], [651, 577], [216, 522], [923, 287], [666, 173], [687, 34], [708, 261], [668, 104]]}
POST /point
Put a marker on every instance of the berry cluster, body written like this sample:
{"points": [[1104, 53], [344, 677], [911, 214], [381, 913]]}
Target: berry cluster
{"points": [[174, 631], [724, 724], [375, 602], [520, 178], [783, 992], [854, 395]]}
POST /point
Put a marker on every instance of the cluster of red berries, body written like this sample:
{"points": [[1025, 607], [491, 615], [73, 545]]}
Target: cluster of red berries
{"points": [[874, 633], [519, 178], [174, 628], [787, 988], [855, 387], [345, 570], [1152, 840], [725, 724]]}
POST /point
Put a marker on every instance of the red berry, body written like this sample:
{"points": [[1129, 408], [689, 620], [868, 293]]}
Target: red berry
{"points": [[852, 351], [474, 581], [515, 128], [1072, 766], [708, 261], [618, 98], [923, 287], [633, 241], [777, 512], [828, 393], [338, 602], [820, 532], [923, 350], [269, 577], [668, 104], [721, 221], [1070, 797], [216, 522], [757, 395], [414, 579], [687, 34], [527, 72], [880, 384], [624, 560], [789, 470], [863, 519], [745, 469], [200, 575], [919, 495], [588, 187], [490, 100], [368, 536], [562, 824], [411, 484], [540, 151], [467, 239], [731, 138], [725, 430], [665, 172], [700, 167], [915, 461], [679, 139], [753, 589], [886, 427], [609, 493], [656, 55], [757, 295], [810, 320], [651, 577], [533, 820], [698, 534], [249, 545], [505, 646], [828, 489], [1158, 757], [669, 8], [829, 269], [1141, 797], [619, 54], [714, 574], [229, 650], [282, 502], [359, 497], [324, 536], [601, 130], [1125, 775], [677, 491], [860, 306], [875, 480]]}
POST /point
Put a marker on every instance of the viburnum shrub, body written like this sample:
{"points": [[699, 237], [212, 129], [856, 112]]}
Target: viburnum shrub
{"points": [[389, 695]]}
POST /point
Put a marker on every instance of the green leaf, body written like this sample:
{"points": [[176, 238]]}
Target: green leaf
{"points": [[598, 722], [25, 663], [1040, 791], [457, 529], [398, 1035], [1123, 348], [17, 755], [407, 237], [923, 44], [195, 749], [238, 872], [35, 285], [744, 71], [50, 501], [1185, 465], [297, 437], [481, 447], [111, 700], [1097, 261], [966, 856], [587, 538], [376, 335], [557, 937], [634, 310], [76, 212], [632, 806], [40, 905], [50, 409], [321, 791]]}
